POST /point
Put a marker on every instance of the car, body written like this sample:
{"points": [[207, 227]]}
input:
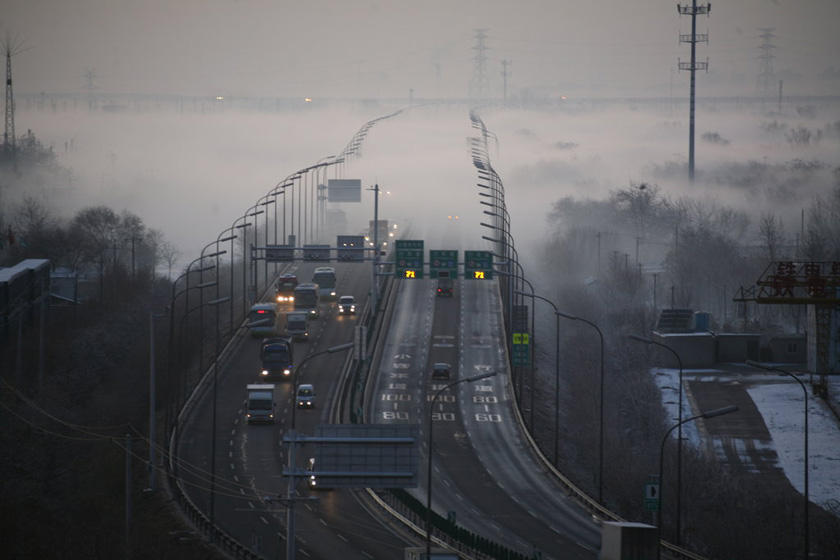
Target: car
{"points": [[347, 305], [444, 287], [314, 483], [441, 370], [305, 396]]}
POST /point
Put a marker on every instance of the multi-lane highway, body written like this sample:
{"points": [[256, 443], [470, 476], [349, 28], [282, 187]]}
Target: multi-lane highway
{"points": [[484, 472], [250, 459]]}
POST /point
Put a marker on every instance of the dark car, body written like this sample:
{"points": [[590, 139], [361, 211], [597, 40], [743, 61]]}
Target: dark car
{"points": [[444, 287], [441, 370]]}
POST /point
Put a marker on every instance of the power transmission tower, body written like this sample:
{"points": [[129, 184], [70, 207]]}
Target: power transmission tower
{"points": [[9, 130], [478, 84], [766, 76], [505, 74], [90, 86], [694, 10]]}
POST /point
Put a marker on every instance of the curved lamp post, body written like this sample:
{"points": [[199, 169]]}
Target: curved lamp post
{"points": [[556, 372], [601, 407], [708, 414], [429, 453], [805, 529], [649, 341], [292, 438]]}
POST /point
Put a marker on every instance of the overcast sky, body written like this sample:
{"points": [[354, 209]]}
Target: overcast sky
{"points": [[383, 48]]}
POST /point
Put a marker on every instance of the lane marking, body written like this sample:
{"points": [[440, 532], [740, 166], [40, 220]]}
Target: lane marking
{"points": [[342, 537], [264, 520]]}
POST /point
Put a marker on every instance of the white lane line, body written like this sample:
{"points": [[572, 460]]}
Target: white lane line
{"points": [[242, 491], [307, 506], [264, 520], [230, 443], [236, 478], [366, 554], [321, 519], [342, 537], [230, 454], [232, 466], [233, 432], [236, 421], [303, 551], [251, 504]]}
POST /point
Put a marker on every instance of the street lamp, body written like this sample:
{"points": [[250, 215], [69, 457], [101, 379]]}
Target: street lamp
{"points": [[215, 303], [556, 372], [601, 407], [292, 438], [708, 414], [805, 529], [429, 453], [649, 341]]}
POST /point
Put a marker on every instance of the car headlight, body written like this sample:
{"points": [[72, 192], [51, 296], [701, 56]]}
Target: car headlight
{"points": [[264, 372], [248, 415], [287, 371], [332, 294], [352, 308]]}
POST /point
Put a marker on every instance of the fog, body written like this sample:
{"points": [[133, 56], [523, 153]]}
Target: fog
{"points": [[376, 48]]}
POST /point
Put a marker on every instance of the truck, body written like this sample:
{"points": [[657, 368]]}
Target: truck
{"points": [[260, 403], [276, 358], [297, 325], [286, 285]]}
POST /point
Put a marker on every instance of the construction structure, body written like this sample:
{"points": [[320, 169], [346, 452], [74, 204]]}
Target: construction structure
{"points": [[693, 38], [815, 284]]}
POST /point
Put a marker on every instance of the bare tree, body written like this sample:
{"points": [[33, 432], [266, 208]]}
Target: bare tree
{"points": [[772, 235]]}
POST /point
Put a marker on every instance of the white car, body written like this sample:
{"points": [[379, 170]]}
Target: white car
{"points": [[346, 305]]}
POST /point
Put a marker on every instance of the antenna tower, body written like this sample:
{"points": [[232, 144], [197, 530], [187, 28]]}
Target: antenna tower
{"points": [[9, 130], [693, 10], [766, 76], [478, 84]]}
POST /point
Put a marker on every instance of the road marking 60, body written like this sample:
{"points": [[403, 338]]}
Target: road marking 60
{"points": [[484, 417]]}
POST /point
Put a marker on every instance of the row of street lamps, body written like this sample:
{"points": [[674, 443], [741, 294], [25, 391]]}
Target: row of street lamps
{"points": [[495, 200]]}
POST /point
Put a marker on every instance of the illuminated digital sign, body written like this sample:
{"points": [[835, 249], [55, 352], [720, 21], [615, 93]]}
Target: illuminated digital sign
{"points": [[409, 258], [478, 265]]}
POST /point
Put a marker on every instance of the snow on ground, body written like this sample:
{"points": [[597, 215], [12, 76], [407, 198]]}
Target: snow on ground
{"points": [[780, 404], [779, 400]]}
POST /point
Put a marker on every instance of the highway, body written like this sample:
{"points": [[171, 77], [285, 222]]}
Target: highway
{"points": [[250, 458], [483, 470]]}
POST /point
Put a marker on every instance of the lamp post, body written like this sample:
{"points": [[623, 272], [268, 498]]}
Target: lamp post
{"points": [[649, 341], [805, 529], [241, 226], [429, 453], [292, 437], [601, 406], [215, 303], [708, 414], [556, 372]]}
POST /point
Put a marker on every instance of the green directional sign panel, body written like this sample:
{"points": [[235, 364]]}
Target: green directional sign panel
{"points": [[478, 265], [444, 261], [409, 258], [521, 353]]}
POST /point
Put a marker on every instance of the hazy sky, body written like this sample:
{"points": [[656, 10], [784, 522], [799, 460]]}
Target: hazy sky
{"points": [[382, 48]]}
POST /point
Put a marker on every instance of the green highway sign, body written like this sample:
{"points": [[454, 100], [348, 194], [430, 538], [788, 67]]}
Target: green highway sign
{"points": [[652, 493], [478, 265], [521, 352], [445, 261], [409, 258]]}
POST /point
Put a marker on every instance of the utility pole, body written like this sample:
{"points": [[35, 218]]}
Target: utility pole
{"points": [[478, 84], [505, 74], [692, 67]]}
